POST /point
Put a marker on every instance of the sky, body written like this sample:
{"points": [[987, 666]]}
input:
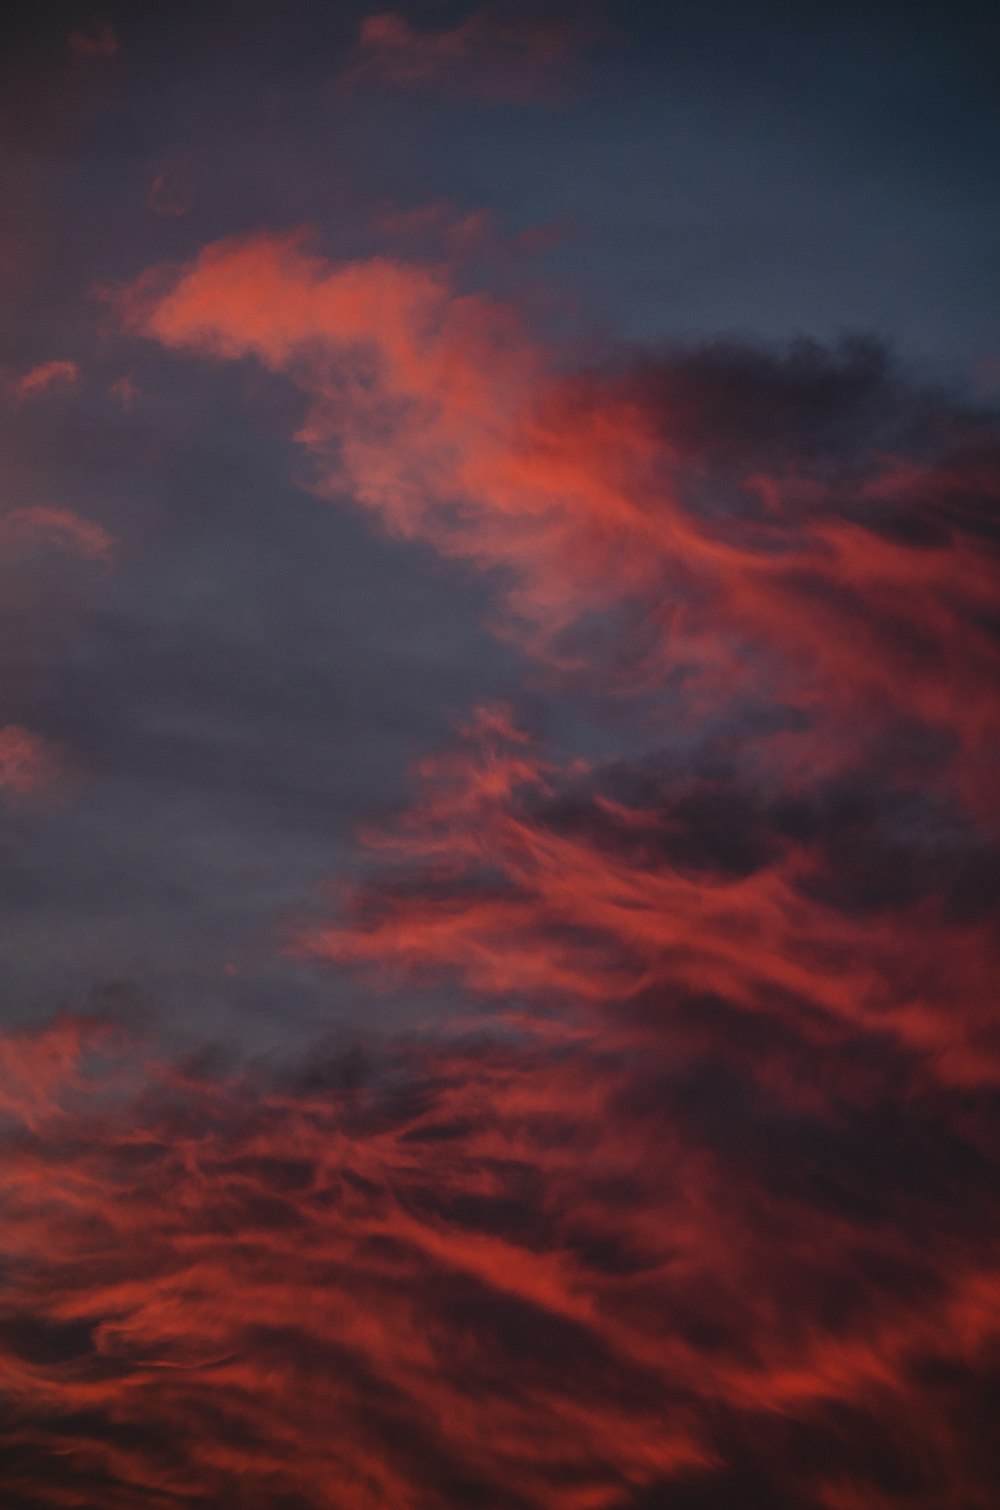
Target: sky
{"points": [[499, 804]]}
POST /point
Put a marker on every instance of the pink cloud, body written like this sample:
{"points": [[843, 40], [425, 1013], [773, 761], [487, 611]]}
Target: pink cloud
{"points": [[60, 527], [28, 763], [170, 193], [47, 375], [494, 51]]}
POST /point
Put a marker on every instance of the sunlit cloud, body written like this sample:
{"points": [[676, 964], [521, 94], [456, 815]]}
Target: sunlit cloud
{"points": [[747, 514], [39, 380], [509, 1021], [699, 1179], [508, 1275]]}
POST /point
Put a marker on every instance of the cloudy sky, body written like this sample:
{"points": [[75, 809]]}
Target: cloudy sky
{"points": [[499, 808]]}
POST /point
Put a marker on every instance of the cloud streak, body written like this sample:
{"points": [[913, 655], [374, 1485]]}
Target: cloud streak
{"points": [[40, 379], [40, 525], [843, 910]]}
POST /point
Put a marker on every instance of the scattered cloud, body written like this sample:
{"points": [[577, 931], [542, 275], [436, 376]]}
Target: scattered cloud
{"points": [[171, 192], [801, 527], [496, 51], [697, 1205], [38, 525], [40, 379], [99, 41], [126, 390], [28, 762]]}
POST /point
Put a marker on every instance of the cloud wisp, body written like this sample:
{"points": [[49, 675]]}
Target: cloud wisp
{"points": [[40, 379], [30, 762], [39, 525], [496, 52]]}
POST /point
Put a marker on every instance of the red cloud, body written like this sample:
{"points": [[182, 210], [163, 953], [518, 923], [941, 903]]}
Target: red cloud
{"points": [[43, 377], [508, 1276], [744, 554], [501, 54], [487, 880], [28, 763], [41, 1069], [705, 1210], [61, 527]]}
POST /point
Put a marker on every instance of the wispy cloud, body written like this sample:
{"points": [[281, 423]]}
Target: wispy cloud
{"points": [[797, 527], [510, 1275], [97, 41], [39, 525], [40, 379], [28, 762], [496, 51], [697, 1204]]}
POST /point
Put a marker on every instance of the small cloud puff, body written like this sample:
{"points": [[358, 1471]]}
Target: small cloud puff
{"points": [[101, 42], [28, 763]]}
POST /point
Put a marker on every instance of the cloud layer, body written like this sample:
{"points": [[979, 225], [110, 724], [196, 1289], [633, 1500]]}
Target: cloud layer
{"points": [[695, 1202], [502, 1273]]}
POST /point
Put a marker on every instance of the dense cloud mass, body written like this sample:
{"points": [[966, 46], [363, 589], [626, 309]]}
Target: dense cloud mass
{"points": [[561, 1269], [626, 1137]]}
